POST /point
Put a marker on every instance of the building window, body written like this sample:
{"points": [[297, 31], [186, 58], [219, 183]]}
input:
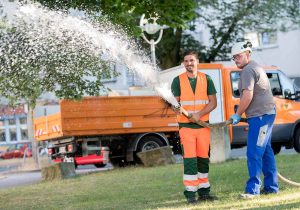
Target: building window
{"points": [[24, 134], [12, 121], [23, 121], [112, 75], [13, 134], [2, 135], [262, 39], [2, 123], [133, 79], [268, 38]]}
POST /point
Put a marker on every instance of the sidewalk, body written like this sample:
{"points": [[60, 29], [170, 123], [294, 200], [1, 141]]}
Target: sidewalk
{"points": [[15, 172], [18, 165]]}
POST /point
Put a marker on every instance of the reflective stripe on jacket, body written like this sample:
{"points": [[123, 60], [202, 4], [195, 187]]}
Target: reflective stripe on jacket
{"points": [[190, 101]]}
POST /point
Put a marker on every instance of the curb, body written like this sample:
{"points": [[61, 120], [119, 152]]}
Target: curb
{"points": [[18, 172], [2, 177]]}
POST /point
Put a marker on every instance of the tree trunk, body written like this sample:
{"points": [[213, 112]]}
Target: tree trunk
{"points": [[31, 136]]}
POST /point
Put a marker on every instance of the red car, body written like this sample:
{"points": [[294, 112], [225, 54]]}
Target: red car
{"points": [[17, 151]]}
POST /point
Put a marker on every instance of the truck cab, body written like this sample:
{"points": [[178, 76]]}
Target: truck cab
{"points": [[286, 126], [286, 131]]}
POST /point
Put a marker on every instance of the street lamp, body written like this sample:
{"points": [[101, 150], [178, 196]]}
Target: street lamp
{"points": [[151, 28]]}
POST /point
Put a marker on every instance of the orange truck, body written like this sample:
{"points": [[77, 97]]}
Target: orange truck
{"points": [[97, 129]]}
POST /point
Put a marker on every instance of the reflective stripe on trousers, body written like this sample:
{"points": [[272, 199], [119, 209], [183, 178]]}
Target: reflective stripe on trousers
{"points": [[195, 143]]}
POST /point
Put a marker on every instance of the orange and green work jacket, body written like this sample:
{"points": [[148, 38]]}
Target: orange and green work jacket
{"points": [[190, 101]]}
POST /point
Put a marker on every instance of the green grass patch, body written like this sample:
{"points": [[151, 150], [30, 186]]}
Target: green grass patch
{"points": [[153, 188]]}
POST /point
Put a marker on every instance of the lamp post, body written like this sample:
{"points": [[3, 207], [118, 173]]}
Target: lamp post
{"points": [[151, 28]]}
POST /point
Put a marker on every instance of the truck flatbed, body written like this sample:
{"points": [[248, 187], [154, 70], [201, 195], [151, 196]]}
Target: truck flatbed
{"points": [[107, 115]]}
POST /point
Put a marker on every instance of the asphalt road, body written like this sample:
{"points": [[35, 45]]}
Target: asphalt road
{"points": [[8, 180], [16, 179], [241, 152]]}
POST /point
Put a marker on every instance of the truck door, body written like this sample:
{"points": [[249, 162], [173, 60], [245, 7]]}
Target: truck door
{"points": [[282, 130], [217, 115], [283, 126], [239, 131]]}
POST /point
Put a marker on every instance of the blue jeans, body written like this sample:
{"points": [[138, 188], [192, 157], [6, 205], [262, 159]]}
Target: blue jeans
{"points": [[260, 156]]}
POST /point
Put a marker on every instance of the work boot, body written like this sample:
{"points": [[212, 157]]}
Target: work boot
{"points": [[207, 197], [248, 196], [191, 200], [265, 192]]}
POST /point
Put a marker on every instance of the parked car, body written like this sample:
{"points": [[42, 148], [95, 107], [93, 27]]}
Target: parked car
{"points": [[17, 151]]}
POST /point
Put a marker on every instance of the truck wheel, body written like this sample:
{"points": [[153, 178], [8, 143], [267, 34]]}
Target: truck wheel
{"points": [[276, 148], [149, 143], [297, 141]]}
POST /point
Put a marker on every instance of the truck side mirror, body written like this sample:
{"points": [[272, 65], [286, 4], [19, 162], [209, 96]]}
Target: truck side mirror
{"points": [[297, 95], [287, 93]]}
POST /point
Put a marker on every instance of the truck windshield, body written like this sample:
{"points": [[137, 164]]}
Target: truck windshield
{"points": [[297, 88], [235, 78], [288, 83], [276, 86], [278, 80]]}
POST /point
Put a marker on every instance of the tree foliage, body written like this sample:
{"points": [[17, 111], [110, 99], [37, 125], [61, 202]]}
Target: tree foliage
{"points": [[174, 13], [32, 65], [226, 21]]}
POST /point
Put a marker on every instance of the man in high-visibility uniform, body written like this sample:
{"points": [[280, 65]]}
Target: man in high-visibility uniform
{"points": [[196, 93], [258, 103]]}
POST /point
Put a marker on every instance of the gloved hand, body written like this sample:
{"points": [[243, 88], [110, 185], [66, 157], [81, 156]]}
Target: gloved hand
{"points": [[235, 119]]}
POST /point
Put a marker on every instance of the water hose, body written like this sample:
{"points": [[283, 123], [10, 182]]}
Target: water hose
{"points": [[205, 124], [287, 181], [226, 123]]}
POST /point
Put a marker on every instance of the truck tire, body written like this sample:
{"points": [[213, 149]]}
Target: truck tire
{"points": [[276, 148], [297, 141], [148, 143]]}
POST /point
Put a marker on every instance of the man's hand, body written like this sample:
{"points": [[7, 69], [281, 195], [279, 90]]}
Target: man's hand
{"points": [[195, 117], [235, 119], [176, 110]]}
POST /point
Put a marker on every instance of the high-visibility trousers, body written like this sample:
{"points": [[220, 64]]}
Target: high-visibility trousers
{"points": [[260, 156], [195, 148]]}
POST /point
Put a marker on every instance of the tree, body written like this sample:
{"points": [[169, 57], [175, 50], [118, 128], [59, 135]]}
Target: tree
{"points": [[226, 21], [174, 13], [127, 13], [35, 58]]}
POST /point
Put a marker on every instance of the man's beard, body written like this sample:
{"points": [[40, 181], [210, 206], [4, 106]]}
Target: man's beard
{"points": [[189, 69]]}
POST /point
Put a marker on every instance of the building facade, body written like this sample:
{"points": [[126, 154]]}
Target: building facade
{"points": [[280, 49], [13, 125]]}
